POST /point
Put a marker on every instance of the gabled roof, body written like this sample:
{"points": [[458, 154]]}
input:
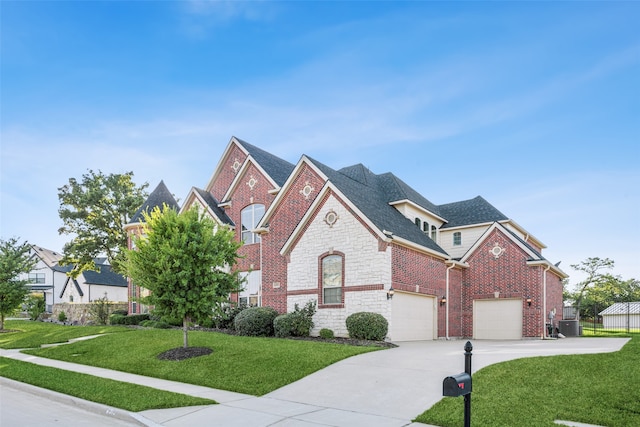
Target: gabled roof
{"points": [[49, 257], [158, 197], [212, 204], [469, 212], [372, 193], [277, 168], [105, 276], [622, 308]]}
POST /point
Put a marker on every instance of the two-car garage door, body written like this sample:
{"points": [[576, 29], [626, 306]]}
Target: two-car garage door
{"points": [[412, 317], [497, 319]]}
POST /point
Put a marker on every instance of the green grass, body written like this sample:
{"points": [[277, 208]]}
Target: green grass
{"points": [[248, 365], [599, 389], [34, 334], [130, 397]]}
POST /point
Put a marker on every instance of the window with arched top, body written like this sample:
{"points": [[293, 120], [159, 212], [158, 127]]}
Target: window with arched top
{"points": [[250, 217], [332, 277]]}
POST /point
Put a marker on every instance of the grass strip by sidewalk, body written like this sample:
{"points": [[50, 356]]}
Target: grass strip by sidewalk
{"points": [[600, 389], [249, 365], [130, 397]]}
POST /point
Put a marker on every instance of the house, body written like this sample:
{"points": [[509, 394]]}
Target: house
{"points": [[622, 316], [352, 240], [45, 278], [91, 285]]}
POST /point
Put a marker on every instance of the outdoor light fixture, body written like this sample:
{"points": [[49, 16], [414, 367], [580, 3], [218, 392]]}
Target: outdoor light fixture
{"points": [[529, 301], [390, 292], [443, 301]]}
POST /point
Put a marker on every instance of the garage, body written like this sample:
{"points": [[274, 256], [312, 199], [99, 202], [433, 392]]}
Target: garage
{"points": [[413, 317], [497, 319]]}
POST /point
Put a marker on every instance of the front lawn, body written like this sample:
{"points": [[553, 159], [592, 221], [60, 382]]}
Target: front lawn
{"points": [[248, 365], [600, 389]]}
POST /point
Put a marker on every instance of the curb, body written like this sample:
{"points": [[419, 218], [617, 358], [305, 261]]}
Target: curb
{"points": [[96, 408]]}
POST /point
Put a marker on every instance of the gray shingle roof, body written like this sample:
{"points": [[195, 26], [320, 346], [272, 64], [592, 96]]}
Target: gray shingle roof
{"points": [[372, 193], [468, 212], [158, 197], [213, 204], [277, 168], [105, 276]]}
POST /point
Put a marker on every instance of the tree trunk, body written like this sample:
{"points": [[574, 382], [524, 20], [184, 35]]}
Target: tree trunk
{"points": [[185, 328], [1, 322]]}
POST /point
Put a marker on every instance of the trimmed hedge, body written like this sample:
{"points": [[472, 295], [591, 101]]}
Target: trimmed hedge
{"points": [[157, 324], [255, 321], [367, 326], [133, 319], [325, 333]]}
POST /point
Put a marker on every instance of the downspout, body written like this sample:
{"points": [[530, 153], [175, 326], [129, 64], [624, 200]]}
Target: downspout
{"points": [[446, 308], [544, 301]]}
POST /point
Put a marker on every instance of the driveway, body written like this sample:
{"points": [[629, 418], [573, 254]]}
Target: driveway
{"points": [[382, 388]]}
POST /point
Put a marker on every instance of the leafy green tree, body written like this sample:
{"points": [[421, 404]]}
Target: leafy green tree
{"points": [[95, 211], [186, 261], [608, 291], [15, 259], [595, 269], [35, 306]]}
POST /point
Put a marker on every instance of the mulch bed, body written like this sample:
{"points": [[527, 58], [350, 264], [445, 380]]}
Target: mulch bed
{"points": [[182, 353]]}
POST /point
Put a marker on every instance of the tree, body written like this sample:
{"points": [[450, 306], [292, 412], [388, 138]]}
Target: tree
{"points": [[95, 210], [593, 267], [186, 261], [15, 259], [608, 291]]}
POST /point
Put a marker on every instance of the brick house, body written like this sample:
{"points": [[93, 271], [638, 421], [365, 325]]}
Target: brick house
{"points": [[352, 241]]}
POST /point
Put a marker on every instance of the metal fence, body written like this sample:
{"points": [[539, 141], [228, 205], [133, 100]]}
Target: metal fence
{"points": [[620, 317]]}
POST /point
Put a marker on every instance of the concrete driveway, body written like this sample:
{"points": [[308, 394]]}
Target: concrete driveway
{"points": [[383, 388]]}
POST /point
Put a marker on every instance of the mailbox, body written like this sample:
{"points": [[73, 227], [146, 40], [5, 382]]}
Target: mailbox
{"points": [[457, 385]]}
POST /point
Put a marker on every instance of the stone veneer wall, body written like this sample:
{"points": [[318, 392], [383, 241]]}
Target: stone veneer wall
{"points": [[80, 313]]}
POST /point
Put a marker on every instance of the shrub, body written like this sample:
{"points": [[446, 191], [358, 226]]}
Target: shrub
{"points": [[133, 319], [35, 306], [99, 309], [367, 326], [298, 323], [256, 321], [158, 324], [224, 315], [121, 312], [62, 316], [325, 333]]}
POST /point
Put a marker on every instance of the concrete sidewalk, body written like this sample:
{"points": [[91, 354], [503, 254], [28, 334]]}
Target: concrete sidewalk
{"points": [[382, 388]]}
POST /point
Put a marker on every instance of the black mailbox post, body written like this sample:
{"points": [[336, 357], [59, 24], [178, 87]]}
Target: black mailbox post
{"points": [[460, 384], [457, 385]]}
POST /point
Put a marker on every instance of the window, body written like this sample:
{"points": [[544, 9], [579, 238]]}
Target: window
{"points": [[434, 232], [425, 228], [36, 278], [417, 221], [250, 217], [457, 238], [251, 294], [332, 279]]}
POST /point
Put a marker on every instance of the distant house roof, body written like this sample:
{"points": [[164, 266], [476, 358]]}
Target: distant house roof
{"points": [[372, 193], [49, 257], [469, 212], [158, 197], [213, 205], [622, 308], [277, 168], [105, 276]]}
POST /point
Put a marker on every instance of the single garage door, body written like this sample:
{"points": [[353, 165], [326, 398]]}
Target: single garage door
{"points": [[497, 319], [412, 317]]}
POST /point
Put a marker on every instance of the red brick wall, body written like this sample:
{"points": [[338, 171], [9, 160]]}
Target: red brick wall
{"points": [[226, 174], [507, 274], [289, 212]]}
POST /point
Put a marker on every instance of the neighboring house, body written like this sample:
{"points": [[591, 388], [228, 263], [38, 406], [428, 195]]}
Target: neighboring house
{"points": [[91, 285], [352, 241], [621, 315], [45, 278]]}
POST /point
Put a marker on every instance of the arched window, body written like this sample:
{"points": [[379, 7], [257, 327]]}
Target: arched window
{"points": [[332, 279], [250, 217]]}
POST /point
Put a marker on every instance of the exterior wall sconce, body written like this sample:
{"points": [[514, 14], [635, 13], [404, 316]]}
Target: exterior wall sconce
{"points": [[390, 292], [529, 302], [443, 301]]}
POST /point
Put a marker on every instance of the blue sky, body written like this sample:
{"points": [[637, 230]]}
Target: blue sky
{"points": [[533, 105]]}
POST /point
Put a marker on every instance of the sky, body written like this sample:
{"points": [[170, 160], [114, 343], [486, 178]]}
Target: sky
{"points": [[535, 106]]}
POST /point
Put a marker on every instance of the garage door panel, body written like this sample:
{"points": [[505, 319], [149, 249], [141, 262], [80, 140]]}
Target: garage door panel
{"points": [[497, 319], [412, 317]]}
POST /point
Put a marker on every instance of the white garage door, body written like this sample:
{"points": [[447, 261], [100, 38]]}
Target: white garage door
{"points": [[497, 319], [412, 317]]}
